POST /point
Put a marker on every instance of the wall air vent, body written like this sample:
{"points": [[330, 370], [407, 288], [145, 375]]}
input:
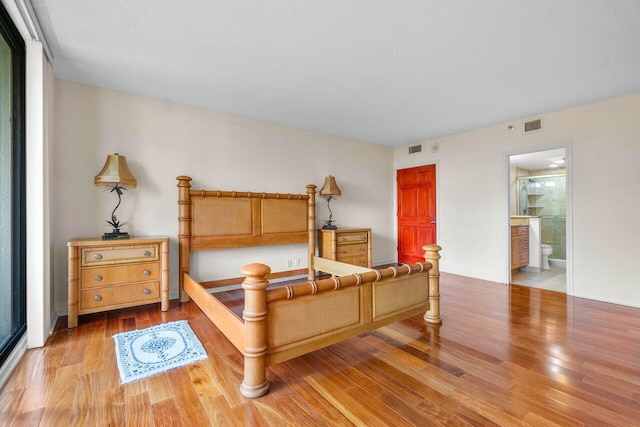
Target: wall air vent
{"points": [[415, 149], [533, 125]]}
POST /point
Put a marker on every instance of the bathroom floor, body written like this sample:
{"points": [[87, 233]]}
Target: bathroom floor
{"points": [[554, 279]]}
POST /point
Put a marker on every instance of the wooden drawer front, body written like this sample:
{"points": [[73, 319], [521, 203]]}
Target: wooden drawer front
{"points": [[524, 258], [105, 276], [114, 295], [523, 231], [347, 238], [351, 246], [351, 250], [119, 255], [360, 260], [523, 247]]}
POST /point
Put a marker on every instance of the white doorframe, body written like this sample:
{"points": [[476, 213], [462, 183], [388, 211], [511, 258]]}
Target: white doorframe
{"points": [[566, 145]]}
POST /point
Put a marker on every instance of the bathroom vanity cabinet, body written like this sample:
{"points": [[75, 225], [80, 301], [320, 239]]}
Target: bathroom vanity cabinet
{"points": [[519, 246]]}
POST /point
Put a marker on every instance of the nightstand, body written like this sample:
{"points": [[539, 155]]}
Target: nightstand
{"points": [[348, 245], [111, 274]]}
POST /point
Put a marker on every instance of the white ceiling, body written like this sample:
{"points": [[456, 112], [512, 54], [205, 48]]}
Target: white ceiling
{"points": [[539, 160], [389, 72]]}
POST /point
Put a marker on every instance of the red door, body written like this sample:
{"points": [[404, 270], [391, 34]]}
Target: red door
{"points": [[416, 212]]}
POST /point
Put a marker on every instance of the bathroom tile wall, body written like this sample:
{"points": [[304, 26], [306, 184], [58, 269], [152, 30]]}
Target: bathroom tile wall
{"points": [[550, 204], [554, 234], [553, 215]]}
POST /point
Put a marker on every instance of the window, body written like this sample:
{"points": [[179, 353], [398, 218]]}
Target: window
{"points": [[12, 187]]}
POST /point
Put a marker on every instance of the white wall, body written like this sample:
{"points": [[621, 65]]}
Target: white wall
{"points": [[473, 184], [40, 83], [162, 140]]}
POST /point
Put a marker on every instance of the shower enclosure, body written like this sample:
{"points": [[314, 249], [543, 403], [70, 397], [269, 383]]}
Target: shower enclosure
{"points": [[545, 196]]}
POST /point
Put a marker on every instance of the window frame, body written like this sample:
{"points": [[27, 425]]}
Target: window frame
{"points": [[12, 37]]}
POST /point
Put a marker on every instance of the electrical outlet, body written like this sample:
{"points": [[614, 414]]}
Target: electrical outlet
{"points": [[297, 262], [289, 263]]}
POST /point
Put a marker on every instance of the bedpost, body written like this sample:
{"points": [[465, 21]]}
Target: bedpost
{"points": [[432, 255], [311, 226], [184, 232], [164, 277], [255, 285]]}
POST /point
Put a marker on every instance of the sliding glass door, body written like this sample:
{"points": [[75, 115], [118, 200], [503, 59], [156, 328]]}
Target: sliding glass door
{"points": [[12, 187]]}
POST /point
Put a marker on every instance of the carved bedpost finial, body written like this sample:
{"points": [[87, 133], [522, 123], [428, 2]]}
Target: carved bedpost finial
{"points": [[184, 178], [432, 255], [255, 273], [255, 285]]}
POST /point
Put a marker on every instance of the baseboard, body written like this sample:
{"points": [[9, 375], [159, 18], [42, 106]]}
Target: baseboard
{"points": [[493, 279], [273, 277], [54, 321], [624, 302]]}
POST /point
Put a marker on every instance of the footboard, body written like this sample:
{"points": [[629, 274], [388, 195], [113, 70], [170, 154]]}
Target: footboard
{"points": [[313, 315], [293, 320]]}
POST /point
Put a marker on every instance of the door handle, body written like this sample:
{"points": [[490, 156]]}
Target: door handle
{"points": [[433, 221]]}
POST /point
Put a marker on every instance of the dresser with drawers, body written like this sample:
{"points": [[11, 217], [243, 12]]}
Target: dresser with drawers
{"points": [[110, 274], [348, 245]]}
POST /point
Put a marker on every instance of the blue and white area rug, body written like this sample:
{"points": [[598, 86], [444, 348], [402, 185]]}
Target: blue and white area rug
{"points": [[157, 349]]}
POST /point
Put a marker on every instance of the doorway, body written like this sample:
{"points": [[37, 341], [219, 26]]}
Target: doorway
{"points": [[416, 189], [540, 217]]}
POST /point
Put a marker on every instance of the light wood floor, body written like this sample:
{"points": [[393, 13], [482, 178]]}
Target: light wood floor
{"points": [[505, 355]]}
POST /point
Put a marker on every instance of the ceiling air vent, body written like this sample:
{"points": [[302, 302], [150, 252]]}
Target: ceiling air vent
{"points": [[415, 149], [533, 125]]}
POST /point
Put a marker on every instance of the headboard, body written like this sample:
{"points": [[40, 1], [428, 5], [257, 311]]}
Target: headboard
{"points": [[212, 219]]}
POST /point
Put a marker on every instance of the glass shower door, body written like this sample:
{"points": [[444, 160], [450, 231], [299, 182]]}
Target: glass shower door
{"points": [[544, 196]]}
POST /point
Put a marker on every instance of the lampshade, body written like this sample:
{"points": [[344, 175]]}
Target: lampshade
{"points": [[330, 188], [115, 171]]}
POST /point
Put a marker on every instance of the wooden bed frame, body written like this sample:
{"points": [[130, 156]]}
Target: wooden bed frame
{"points": [[288, 321]]}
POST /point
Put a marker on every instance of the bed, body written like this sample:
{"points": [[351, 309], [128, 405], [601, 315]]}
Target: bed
{"points": [[278, 323]]}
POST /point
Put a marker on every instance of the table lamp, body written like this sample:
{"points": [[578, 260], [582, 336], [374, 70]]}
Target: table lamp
{"points": [[330, 190], [115, 175]]}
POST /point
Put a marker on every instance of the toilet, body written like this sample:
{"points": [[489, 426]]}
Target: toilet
{"points": [[547, 250]]}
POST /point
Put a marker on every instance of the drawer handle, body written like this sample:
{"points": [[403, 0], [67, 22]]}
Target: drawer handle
{"points": [[343, 251], [363, 238], [146, 291], [146, 272], [363, 250], [97, 256], [97, 298], [97, 277], [146, 253], [361, 261]]}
